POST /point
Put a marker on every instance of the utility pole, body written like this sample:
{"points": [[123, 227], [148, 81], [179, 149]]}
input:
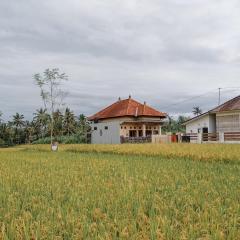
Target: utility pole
{"points": [[219, 96]]}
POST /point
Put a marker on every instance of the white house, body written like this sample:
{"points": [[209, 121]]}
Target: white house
{"points": [[224, 119], [125, 121], [204, 123]]}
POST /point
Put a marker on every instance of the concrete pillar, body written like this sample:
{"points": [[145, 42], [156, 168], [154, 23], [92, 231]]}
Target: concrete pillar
{"points": [[221, 137], [160, 130], [144, 130], [199, 138]]}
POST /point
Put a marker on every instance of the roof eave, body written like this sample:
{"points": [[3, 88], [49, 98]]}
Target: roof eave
{"points": [[195, 118], [122, 116]]}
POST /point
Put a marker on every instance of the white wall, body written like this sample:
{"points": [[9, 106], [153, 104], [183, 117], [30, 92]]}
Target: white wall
{"points": [[108, 136], [208, 121], [212, 124], [112, 135]]}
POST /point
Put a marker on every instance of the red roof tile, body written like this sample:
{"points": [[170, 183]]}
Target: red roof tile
{"points": [[127, 108]]}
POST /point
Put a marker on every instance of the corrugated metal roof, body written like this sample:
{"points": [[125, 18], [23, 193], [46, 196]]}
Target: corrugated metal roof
{"points": [[231, 105]]}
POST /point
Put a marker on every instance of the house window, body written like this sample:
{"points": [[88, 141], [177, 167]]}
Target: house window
{"points": [[125, 127], [106, 128], [132, 133], [121, 127], [155, 132], [148, 133], [95, 128]]}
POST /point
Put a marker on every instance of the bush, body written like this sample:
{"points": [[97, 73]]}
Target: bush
{"points": [[73, 139], [2, 143]]}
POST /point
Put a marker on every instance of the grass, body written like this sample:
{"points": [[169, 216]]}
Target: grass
{"points": [[120, 192]]}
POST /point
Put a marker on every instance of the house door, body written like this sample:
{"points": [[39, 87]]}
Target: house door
{"points": [[205, 134]]}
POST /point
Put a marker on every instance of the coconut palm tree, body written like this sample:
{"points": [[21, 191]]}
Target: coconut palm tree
{"points": [[197, 111], [18, 122], [69, 122], [58, 123], [41, 120], [29, 131]]}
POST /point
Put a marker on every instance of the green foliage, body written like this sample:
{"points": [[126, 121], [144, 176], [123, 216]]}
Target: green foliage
{"points": [[73, 139], [2, 143], [175, 126], [67, 128]]}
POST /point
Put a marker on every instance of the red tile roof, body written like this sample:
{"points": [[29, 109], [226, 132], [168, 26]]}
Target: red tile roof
{"points": [[127, 108]]}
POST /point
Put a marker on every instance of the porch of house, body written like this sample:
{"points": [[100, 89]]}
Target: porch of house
{"points": [[222, 128], [216, 137], [139, 131]]}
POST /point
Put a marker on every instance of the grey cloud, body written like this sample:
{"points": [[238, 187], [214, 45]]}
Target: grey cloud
{"points": [[160, 51]]}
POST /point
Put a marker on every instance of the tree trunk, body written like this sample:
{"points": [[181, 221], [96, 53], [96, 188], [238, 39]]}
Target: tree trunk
{"points": [[52, 131]]}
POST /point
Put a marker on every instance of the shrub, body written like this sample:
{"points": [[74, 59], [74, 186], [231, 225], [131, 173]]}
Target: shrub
{"points": [[73, 139]]}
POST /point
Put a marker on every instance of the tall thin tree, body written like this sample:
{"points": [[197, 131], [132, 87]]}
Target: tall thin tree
{"points": [[51, 93]]}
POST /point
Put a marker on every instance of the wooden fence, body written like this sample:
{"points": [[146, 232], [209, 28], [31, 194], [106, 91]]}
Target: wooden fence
{"points": [[189, 137], [232, 136], [136, 139], [210, 137]]}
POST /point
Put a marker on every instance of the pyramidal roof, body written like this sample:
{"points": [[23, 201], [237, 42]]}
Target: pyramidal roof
{"points": [[127, 108]]}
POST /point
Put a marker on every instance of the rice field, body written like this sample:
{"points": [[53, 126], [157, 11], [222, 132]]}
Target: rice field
{"points": [[177, 191]]}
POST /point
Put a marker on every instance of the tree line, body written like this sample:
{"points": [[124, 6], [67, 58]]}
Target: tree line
{"points": [[67, 128], [49, 124]]}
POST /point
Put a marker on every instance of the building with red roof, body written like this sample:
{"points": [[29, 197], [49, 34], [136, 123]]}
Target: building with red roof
{"points": [[126, 120]]}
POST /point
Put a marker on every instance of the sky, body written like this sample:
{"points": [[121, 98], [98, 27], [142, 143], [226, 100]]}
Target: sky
{"points": [[164, 52]]}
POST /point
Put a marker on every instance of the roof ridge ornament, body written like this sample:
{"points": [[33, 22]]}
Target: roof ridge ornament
{"points": [[144, 106]]}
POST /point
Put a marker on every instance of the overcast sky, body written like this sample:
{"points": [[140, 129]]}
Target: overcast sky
{"points": [[159, 51]]}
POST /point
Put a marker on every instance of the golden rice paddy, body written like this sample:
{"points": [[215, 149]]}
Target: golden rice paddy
{"points": [[177, 191]]}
